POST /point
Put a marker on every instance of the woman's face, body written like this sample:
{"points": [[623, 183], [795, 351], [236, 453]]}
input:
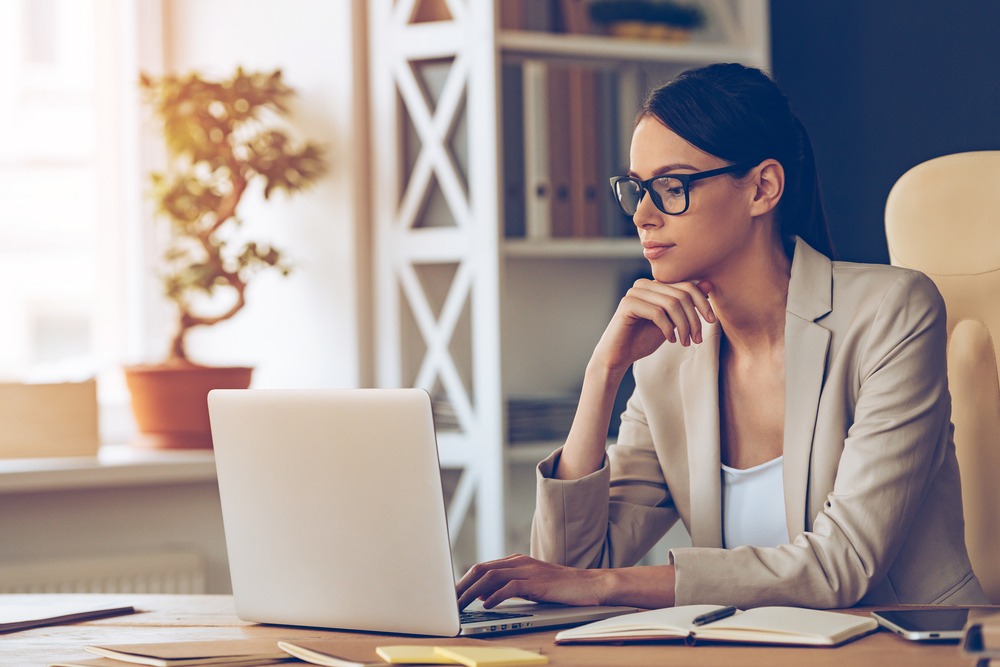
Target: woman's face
{"points": [[700, 241]]}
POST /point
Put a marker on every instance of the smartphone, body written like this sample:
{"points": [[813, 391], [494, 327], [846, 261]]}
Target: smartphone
{"points": [[925, 624]]}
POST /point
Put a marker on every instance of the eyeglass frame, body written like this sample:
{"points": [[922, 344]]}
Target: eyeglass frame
{"points": [[685, 180]]}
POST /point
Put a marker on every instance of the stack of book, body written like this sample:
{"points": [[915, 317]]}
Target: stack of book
{"points": [[545, 418], [445, 418]]}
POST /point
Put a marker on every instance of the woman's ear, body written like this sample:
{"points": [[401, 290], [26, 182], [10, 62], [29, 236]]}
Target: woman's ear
{"points": [[770, 184]]}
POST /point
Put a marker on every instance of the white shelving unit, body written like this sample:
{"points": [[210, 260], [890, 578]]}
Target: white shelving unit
{"points": [[462, 311]]}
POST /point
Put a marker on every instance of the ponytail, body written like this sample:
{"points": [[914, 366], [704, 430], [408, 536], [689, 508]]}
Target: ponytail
{"points": [[802, 213]]}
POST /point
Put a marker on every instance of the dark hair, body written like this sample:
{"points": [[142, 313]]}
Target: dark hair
{"points": [[739, 114]]}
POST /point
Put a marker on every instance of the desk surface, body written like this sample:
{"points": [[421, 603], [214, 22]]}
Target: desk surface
{"points": [[205, 617]]}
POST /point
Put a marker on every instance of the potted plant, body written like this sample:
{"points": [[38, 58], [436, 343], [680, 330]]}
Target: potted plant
{"points": [[647, 19], [222, 137]]}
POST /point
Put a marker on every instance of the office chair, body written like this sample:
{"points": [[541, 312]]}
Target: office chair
{"points": [[942, 217]]}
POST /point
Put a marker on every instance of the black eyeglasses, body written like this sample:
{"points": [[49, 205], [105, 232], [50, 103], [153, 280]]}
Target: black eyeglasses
{"points": [[671, 193]]}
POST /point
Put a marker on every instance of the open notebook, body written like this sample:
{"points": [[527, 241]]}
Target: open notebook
{"points": [[761, 625]]}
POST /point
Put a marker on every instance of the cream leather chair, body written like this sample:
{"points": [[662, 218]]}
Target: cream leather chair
{"points": [[943, 218]]}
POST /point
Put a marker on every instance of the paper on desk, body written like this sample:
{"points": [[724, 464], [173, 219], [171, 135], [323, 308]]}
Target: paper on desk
{"points": [[225, 652], [353, 652], [492, 656], [108, 662]]}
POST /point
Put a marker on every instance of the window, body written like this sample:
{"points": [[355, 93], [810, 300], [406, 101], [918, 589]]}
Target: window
{"points": [[62, 236]]}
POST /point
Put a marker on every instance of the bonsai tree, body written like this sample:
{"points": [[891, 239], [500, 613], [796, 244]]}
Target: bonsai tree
{"points": [[221, 136]]}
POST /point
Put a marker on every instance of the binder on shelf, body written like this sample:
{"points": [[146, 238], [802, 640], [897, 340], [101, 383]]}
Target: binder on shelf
{"points": [[561, 135], [569, 146], [514, 195], [537, 188], [536, 15], [574, 16], [614, 153], [513, 14], [585, 134]]}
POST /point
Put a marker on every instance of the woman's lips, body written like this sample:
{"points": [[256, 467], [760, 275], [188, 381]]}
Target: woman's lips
{"points": [[655, 250]]}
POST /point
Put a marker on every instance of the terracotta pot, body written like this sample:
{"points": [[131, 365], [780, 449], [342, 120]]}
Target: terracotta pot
{"points": [[170, 402]]}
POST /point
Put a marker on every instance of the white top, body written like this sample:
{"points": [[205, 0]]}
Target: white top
{"points": [[753, 506]]}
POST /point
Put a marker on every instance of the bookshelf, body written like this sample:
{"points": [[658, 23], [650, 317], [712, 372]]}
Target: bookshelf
{"points": [[476, 302]]}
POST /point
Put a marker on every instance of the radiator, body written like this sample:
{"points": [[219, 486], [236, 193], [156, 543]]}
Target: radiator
{"points": [[164, 572]]}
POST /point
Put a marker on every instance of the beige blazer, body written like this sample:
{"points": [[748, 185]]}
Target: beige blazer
{"points": [[872, 494]]}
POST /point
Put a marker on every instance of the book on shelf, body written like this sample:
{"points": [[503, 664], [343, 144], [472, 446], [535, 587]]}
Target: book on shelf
{"points": [[760, 625], [445, 417], [15, 617], [540, 418], [529, 418]]}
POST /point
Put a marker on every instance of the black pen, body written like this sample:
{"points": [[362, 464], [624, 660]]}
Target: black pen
{"points": [[716, 615]]}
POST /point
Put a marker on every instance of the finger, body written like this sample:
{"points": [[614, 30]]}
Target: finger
{"points": [[640, 308], [480, 570], [487, 585], [701, 298], [698, 294], [678, 305], [516, 588]]}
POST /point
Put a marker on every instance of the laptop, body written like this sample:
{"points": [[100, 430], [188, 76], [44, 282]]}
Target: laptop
{"points": [[334, 515]]}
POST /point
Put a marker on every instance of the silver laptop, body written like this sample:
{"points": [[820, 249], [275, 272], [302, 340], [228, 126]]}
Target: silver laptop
{"points": [[334, 515]]}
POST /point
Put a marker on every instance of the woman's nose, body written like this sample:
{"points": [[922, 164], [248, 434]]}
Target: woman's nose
{"points": [[647, 216]]}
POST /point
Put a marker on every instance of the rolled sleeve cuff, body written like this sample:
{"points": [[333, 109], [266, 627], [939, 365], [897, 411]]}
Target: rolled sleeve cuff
{"points": [[564, 507]]}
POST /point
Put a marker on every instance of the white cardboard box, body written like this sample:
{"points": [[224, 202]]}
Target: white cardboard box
{"points": [[42, 420]]}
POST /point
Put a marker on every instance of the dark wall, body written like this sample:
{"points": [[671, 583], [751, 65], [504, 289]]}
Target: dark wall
{"points": [[883, 85]]}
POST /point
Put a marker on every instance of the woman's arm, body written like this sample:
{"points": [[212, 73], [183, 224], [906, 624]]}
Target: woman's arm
{"points": [[647, 316], [575, 481]]}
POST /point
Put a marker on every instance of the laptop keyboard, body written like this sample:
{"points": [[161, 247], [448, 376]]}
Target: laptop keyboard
{"points": [[481, 616]]}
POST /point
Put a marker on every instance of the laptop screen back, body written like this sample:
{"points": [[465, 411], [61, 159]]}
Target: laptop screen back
{"points": [[333, 509]]}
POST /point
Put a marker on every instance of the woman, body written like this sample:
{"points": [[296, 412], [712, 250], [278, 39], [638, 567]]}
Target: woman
{"points": [[792, 411]]}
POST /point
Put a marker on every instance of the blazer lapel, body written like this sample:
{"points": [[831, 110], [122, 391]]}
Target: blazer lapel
{"points": [[806, 346], [699, 376]]}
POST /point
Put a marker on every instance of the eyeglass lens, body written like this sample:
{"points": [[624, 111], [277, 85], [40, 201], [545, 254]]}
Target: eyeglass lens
{"points": [[668, 194]]}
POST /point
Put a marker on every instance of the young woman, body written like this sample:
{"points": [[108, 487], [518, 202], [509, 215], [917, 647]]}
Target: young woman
{"points": [[792, 411]]}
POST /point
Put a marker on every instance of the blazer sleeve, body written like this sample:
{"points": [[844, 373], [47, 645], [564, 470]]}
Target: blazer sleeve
{"points": [[900, 435], [612, 517]]}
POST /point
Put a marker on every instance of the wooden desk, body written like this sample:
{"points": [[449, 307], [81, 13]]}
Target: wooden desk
{"points": [[204, 617]]}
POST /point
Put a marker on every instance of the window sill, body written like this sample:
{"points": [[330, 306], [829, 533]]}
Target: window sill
{"points": [[116, 465]]}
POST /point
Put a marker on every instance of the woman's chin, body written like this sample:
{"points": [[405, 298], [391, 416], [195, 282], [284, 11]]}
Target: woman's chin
{"points": [[668, 275]]}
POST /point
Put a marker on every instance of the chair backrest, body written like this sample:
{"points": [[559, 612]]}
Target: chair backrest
{"points": [[943, 218]]}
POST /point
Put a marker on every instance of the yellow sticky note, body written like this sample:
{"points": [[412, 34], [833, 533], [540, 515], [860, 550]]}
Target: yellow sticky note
{"points": [[412, 655], [491, 656]]}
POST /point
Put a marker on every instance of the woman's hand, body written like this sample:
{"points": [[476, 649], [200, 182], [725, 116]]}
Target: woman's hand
{"points": [[531, 579], [649, 314]]}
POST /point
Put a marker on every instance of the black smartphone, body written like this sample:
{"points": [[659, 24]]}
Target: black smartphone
{"points": [[925, 624]]}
